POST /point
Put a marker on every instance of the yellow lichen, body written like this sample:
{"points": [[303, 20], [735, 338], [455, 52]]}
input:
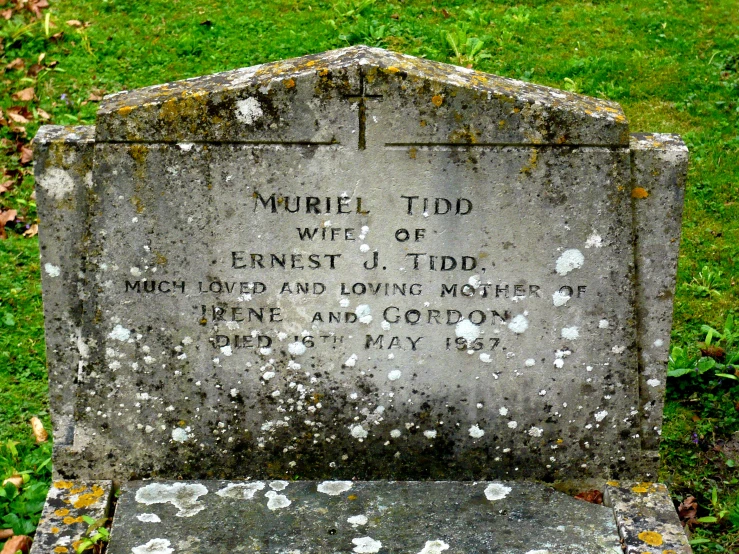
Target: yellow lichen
{"points": [[61, 549], [612, 483], [55, 530], [639, 489], [61, 512], [437, 100], [652, 538], [125, 110], [352, 497], [669, 551], [86, 500], [63, 485], [77, 490], [639, 192], [412, 152], [69, 520], [290, 83]]}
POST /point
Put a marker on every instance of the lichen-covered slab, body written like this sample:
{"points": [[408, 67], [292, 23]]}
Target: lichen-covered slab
{"points": [[646, 518], [659, 164], [218, 517], [61, 525], [316, 98], [63, 168]]}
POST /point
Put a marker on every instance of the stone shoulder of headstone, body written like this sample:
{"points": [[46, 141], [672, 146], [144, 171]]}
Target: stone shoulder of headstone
{"points": [[286, 101], [646, 518]]}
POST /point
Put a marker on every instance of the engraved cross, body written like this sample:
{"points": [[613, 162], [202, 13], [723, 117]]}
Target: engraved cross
{"points": [[361, 98]]}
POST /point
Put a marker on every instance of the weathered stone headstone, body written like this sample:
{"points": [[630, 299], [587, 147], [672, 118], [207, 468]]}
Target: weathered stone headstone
{"points": [[357, 264]]}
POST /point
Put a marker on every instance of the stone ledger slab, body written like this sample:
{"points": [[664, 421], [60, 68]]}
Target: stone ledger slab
{"points": [[280, 517]]}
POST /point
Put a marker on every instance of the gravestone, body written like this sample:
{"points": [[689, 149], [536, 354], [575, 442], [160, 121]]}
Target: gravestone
{"points": [[365, 266]]}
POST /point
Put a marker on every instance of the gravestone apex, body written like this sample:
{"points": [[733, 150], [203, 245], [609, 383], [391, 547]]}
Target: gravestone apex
{"points": [[303, 100]]}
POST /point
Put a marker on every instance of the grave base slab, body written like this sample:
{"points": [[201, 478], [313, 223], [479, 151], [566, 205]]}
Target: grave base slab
{"points": [[312, 517]]}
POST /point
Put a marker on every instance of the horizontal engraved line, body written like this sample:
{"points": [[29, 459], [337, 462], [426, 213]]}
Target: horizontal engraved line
{"points": [[227, 142], [453, 145]]}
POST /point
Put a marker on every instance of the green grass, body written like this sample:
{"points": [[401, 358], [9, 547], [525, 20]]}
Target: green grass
{"points": [[674, 67]]}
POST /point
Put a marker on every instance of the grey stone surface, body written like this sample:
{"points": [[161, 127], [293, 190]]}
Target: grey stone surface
{"points": [[192, 517], [63, 169], [61, 525], [659, 164], [361, 264], [646, 518]]}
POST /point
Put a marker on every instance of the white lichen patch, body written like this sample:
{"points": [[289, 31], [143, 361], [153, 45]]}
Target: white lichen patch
{"points": [[394, 375], [538, 552], [56, 182], [430, 434], [603, 324], [278, 485], [358, 432], [358, 520], [496, 491], [366, 545], [519, 324], [618, 349], [183, 496], [503, 411], [120, 333], [52, 270], [531, 362], [180, 435], [434, 547], [154, 546], [512, 424], [226, 350], [569, 260], [135, 271], [277, 501], [594, 241], [658, 343], [535, 432], [241, 491], [395, 433], [486, 358], [364, 248], [296, 348], [654, 382], [385, 325], [560, 298], [364, 314], [570, 333], [600, 416], [249, 110], [476, 432], [467, 330], [148, 518], [334, 488]]}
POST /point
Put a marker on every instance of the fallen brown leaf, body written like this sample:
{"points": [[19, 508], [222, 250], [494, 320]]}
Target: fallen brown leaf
{"points": [[56, 37], [687, 511], [41, 57], [32, 231], [19, 115], [17, 63], [445, 13], [6, 14], [74, 23], [25, 95], [6, 217], [26, 155], [16, 480], [5, 186], [19, 542], [713, 351], [5, 534], [592, 496], [38, 430], [94, 97], [43, 114], [35, 69]]}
